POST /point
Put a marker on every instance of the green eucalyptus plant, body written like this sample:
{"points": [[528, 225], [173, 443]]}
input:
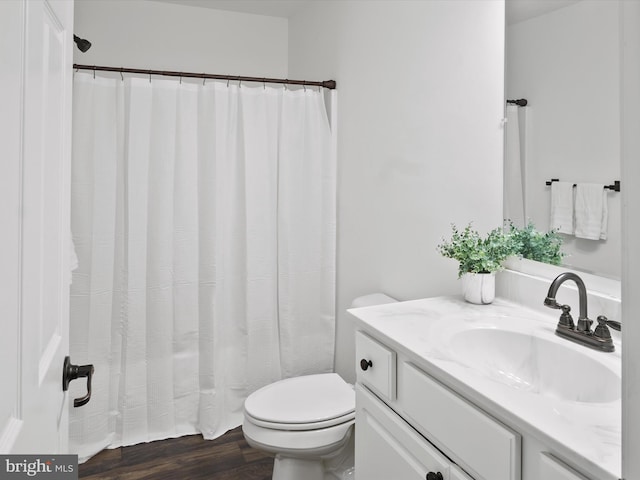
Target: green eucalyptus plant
{"points": [[534, 245], [476, 254]]}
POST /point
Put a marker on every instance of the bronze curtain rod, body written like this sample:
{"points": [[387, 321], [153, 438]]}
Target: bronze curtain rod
{"points": [[330, 84]]}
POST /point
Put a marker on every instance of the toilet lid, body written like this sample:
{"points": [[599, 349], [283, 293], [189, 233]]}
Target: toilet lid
{"points": [[302, 400]]}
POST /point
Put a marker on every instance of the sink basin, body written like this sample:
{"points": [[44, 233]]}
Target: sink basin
{"points": [[537, 365]]}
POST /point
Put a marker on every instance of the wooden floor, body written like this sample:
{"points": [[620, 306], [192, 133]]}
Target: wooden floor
{"points": [[189, 458]]}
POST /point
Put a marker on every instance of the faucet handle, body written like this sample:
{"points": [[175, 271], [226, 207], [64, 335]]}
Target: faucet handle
{"points": [[602, 320], [566, 320], [613, 324], [601, 331]]}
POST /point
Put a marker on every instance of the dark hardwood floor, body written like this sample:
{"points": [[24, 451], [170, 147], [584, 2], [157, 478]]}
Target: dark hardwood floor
{"points": [[228, 457]]}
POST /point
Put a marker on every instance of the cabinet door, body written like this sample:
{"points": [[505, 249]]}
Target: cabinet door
{"points": [[483, 446], [553, 469], [387, 448]]}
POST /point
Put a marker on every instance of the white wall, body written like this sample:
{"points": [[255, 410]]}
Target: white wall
{"points": [[567, 65], [420, 102], [163, 36]]}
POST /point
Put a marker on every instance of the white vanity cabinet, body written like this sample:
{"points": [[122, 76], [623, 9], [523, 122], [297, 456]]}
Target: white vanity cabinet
{"points": [[405, 420], [424, 406]]}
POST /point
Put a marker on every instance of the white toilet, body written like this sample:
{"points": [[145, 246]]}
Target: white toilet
{"points": [[306, 422]]}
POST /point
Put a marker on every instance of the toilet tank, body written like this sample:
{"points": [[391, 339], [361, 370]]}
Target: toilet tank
{"points": [[372, 299]]}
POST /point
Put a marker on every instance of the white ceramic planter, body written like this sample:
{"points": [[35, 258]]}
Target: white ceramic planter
{"points": [[479, 288]]}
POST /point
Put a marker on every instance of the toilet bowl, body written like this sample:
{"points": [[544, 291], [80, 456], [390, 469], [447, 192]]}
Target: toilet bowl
{"points": [[306, 422]]}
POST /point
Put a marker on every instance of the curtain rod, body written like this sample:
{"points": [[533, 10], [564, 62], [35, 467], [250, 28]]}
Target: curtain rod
{"points": [[330, 84]]}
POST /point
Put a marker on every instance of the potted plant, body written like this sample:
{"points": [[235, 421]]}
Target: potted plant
{"points": [[535, 245], [479, 258]]}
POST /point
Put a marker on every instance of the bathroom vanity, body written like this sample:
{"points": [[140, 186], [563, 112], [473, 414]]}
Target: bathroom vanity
{"points": [[447, 390]]}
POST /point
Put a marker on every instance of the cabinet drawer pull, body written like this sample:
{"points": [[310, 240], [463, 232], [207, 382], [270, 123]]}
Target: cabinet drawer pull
{"points": [[434, 476], [365, 364]]}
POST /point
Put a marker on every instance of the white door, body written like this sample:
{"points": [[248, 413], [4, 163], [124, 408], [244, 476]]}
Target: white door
{"points": [[36, 40]]}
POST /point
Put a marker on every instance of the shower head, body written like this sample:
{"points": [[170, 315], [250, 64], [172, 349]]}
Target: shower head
{"points": [[83, 45]]}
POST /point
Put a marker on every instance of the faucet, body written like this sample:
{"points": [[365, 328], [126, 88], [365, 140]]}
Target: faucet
{"points": [[600, 338], [584, 324]]}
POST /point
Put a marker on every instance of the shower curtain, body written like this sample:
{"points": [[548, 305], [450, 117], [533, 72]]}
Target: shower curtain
{"points": [[203, 218]]}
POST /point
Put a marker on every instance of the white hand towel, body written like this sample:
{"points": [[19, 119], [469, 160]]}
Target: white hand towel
{"points": [[562, 207], [591, 211]]}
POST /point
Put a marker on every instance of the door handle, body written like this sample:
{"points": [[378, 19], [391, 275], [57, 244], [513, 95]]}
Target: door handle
{"points": [[71, 372]]}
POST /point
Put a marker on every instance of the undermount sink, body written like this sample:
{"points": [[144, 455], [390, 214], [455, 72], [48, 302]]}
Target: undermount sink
{"points": [[536, 365]]}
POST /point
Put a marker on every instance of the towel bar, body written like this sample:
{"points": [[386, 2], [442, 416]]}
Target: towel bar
{"points": [[615, 187]]}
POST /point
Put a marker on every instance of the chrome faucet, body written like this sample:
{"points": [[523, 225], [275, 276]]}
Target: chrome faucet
{"points": [[600, 338]]}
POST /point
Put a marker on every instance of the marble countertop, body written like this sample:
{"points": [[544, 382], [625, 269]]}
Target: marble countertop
{"points": [[585, 434]]}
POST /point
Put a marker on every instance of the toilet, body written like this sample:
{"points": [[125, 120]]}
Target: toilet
{"points": [[307, 422]]}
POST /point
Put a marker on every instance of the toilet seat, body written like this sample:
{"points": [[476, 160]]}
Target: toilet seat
{"points": [[309, 402], [301, 426]]}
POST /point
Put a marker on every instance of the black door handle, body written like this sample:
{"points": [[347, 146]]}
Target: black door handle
{"points": [[71, 372]]}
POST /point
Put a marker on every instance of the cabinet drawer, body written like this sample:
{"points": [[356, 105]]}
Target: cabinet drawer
{"points": [[388, 448], [376, 366], [484, 447], [553, 469]]}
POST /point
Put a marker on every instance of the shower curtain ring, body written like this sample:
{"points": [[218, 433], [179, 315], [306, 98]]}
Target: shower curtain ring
{"points": [[264, 83], [203, 79], [121, 76], [304, 85], [94, 72], [228, 81]]}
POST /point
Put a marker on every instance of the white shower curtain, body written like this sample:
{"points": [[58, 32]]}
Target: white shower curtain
{"points": [[204, 221]]}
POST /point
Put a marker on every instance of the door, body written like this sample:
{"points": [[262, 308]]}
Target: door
{"points": [[36, 42]]}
